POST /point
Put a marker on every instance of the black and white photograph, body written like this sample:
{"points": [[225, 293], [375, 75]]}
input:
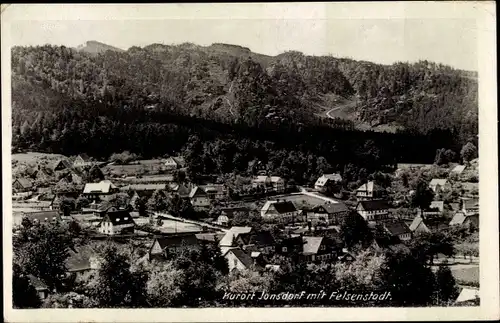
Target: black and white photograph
{"points": [[249, 157]]}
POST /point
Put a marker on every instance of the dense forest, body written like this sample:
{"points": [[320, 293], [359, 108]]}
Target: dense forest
{"points": [[226, 107]]}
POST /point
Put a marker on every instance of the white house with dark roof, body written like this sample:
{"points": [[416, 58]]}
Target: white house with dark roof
{"points": [[82, 160], [331, 213], [175, 163], [199, 198], [439, 184], [327, 179], [169, 246], [94, 191], [373, 211], [280, 210], [398, 229], [369, 191], [316, 249], [270, 183], [115, 222], [237, 259]]}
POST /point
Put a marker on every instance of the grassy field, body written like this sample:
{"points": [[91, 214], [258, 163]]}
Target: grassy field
{"points": [[302, 199]]}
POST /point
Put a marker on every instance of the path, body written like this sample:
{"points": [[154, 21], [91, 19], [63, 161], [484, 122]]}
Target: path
{"points": [[324, 198], [203, 224], [345, 105]]}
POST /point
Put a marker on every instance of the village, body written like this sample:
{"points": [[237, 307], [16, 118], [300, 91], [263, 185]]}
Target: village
{"points": [[250, 219]]}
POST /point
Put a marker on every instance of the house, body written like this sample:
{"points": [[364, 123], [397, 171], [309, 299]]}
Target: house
{"points": [[81, 261], [293, 244], [199, 198], [144, 187], [180, 189], [393, 243], [61, 164], [82, 160], [149, 179], [95, 191], [168, 246], [213, 237], [418, 226], [175, 163], [468, 220], [468, 296], [283, 211], [370, 191], [43, 216], [269, 183], [470, 206], [115, 222], [436, 208], [215, 191], [246, 238], [41, 288], [22, 185], [331, 213], [439, 185], [373, 210], [458, 169], [240, 260], [316, 249], [397, 229], [327, 179]]}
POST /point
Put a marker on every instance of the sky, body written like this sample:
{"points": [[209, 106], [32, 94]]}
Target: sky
{"points": [[373, 32]]}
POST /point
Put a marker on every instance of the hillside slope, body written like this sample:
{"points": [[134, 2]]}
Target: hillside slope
{"points": [[229, 83]]}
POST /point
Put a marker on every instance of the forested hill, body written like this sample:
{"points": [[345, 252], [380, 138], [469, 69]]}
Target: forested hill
{"points": [[228, 82], [66, 100]]}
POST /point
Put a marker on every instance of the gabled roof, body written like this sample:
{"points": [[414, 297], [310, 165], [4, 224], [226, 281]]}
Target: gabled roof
{"points": [[232, 234], [321, 181], [65, 162], [196, 191], [84, 156], [101, 187], [119, 217], [37, 283], [458, 169], [26, 183], [180, 161], [284, 207], [396, 228], [458, 218], [332, 208], [275, 179], [311, 245], [261, 179], [467, 294], [178, 241], [417, 221], [374, 205], [369, 187], [242, 256]]}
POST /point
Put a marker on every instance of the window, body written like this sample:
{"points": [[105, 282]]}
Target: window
{"points": [[284, 249]]}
